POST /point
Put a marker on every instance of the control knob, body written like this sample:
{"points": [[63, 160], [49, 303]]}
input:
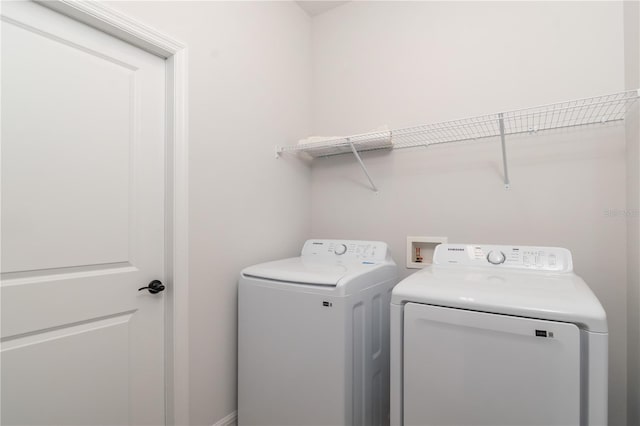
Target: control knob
{"points": [[340, 249], [496, 257]]}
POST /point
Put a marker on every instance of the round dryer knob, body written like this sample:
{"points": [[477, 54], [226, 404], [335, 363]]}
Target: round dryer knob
{"points": [[340, 249], [496, 257]]}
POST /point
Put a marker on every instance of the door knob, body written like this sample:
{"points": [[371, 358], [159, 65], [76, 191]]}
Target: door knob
{"points": [[154, 287]]}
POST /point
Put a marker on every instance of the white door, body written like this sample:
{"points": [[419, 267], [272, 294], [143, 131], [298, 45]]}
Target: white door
{"points": [[82, 224], [473, 368]]}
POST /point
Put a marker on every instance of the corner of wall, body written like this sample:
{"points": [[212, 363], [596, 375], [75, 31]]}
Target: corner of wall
{"points": [[631, 16]]}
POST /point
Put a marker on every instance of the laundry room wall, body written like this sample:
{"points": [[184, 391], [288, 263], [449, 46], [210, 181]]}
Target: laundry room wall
{"points": [[411, 63], [249, 90], [632, 133]]}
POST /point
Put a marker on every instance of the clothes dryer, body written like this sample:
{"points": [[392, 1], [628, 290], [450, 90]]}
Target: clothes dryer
{"points": [[498, 335]]}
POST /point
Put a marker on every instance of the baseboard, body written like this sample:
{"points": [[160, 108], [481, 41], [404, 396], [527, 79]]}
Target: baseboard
{"points": [[228, 420]]}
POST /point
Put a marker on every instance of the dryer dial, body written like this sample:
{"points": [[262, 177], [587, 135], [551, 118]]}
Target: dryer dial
{"points": [[496, 257]]}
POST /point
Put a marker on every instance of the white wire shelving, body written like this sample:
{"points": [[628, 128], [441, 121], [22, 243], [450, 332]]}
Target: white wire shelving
{"points": [[580, 112]]}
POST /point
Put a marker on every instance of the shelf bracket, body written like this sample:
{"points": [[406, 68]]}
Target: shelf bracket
{"points": [[507, 185], [364, 169]]}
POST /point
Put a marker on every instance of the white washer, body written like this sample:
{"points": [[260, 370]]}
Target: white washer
{"points": [[313, 338], [497, 335]]}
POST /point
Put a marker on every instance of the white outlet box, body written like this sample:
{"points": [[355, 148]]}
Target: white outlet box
{"points": [[420, 250]]}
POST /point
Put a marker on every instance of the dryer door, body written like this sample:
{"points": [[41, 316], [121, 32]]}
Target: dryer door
{"points": [[472, 368]]}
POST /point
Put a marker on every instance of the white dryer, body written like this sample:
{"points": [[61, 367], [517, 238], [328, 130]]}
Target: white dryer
{"points": [[497, 335], [313, 338]]}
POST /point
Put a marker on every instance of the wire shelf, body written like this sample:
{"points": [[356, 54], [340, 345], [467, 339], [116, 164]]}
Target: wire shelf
{"points": [[581, 112]]}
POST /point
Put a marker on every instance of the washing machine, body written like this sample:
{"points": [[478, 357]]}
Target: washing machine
{"points": [[313, 336], [497, 335]]}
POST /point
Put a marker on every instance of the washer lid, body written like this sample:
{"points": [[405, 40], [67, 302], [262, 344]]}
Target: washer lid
{"points": [[300, 270], [533, 294]]}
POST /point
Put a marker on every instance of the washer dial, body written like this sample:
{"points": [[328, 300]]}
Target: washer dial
{"points": [[340, 249]]}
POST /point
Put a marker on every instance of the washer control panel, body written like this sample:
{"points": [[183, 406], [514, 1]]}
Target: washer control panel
{"points": [[346, 249], [554, 259]]}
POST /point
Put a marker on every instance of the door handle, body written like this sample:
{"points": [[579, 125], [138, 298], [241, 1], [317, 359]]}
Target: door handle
{"points": [[154, 287]]}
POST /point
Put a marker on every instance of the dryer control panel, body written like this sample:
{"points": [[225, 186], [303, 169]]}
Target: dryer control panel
{"points": [[347, 249], [554, 259]]}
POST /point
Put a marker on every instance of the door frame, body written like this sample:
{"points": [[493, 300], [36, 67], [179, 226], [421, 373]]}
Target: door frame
{"points": [[121, 26]]}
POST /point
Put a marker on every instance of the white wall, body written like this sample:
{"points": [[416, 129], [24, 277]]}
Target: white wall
{"points": [[632, 129], [406, 63], [249, 87]]}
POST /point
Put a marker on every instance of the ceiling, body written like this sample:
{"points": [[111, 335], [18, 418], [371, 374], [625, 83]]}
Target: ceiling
{"points": [[314, 8]]}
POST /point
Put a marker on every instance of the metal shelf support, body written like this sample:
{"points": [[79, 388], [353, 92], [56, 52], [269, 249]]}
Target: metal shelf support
{"points": [[364, 169], [507, 185]]}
